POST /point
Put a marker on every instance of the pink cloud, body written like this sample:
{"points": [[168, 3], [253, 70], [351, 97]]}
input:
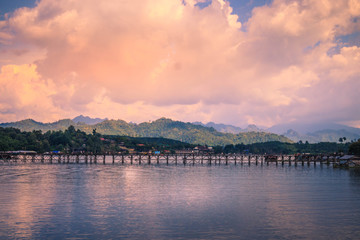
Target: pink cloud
{"points": [[165, 58]]}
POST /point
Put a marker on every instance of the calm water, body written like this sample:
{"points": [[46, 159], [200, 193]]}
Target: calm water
{"points": [[176, 202]]}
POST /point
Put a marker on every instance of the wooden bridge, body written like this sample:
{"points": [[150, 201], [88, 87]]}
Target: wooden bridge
{"points": [[169, 159]]}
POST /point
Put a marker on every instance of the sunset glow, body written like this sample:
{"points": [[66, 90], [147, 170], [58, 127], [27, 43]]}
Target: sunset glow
{"points": [[139, 60]]}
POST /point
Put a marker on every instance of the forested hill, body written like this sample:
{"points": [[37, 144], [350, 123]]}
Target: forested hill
{"points": [[29, 125], [162, 127]]}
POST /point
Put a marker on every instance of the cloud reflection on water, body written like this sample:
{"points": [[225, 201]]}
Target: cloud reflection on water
{"points": [[162, 202]]}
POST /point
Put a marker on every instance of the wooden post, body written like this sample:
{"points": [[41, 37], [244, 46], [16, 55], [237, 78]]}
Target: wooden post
{"points": [[193, 159], [256, 160], [226, 160], [139, 159], [42, 158], [289, 160], [235, 159], [104, 159], [77, 158], [149, 159], [122, 159], [158, 159], [113, 159], [184, 160], [249, 159], [131, 159], [210, 159], [175, 159], [68, 158], [167, 159]]}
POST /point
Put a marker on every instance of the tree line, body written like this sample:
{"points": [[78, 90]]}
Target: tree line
{"points": [[73, 141], [288, 148], [76, 141]]}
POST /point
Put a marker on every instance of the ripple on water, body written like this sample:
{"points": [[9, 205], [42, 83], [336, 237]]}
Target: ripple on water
{"points": [[81, 201]]}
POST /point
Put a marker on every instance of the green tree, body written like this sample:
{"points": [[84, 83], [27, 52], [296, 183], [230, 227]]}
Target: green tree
{"points": [[354, 148]]}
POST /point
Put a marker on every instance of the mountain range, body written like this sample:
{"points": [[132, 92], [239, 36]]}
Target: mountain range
{"points": [[316, 132], [163, 127], [313, 133], [199, 133], [88, 120], [229, 128]]}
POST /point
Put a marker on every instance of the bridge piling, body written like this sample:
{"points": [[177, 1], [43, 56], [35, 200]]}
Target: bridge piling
{"points": [[193, 159]]}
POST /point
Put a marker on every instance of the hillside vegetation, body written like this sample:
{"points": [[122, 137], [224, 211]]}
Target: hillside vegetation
{"points": [[75, 141], [163, 127]]}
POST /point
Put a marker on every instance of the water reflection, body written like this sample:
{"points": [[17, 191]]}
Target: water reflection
{"points": [[97, 201], [23, 202]]}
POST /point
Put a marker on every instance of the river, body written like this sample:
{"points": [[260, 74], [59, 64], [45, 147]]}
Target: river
{"points": [[79, 201]]}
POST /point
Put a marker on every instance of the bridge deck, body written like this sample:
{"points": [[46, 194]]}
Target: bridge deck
{"points": [[168, 159]]}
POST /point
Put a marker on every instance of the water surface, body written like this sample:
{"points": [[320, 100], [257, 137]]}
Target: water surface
{"points": [[78, 201]]}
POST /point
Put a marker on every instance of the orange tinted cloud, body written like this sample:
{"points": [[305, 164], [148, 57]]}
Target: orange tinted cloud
{"points": [[146, 59]]}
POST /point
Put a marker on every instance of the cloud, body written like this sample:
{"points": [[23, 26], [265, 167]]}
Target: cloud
{"points": [[123, 59], [24, 93]]}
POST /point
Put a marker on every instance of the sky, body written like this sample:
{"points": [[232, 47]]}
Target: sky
{"points": [[235, 62]]}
